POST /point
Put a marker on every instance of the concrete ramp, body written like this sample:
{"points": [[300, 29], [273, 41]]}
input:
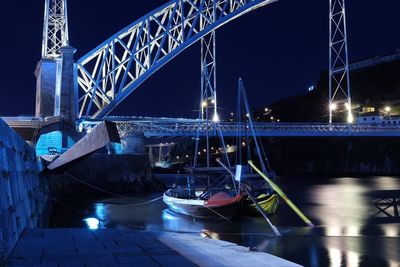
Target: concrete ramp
{"points": [[101, 135], [206, 252]]}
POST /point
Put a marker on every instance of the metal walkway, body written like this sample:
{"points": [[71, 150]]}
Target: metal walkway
{"points": [[173, 127], [163, 127]]}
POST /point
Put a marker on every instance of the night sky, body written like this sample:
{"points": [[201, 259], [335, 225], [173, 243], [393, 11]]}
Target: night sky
{"points": [[279, 50]]}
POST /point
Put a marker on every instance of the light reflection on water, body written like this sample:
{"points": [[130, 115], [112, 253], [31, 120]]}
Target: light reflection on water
{"points": [[92, 223], [345, 234]]}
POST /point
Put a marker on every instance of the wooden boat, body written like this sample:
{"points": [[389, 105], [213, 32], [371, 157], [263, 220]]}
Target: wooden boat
{"points": [[192, 203], [244, 192], [268, 203], [223, 204]]}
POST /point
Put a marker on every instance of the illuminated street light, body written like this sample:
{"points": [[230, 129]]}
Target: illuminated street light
{"points": [[388, 109], [350, 118], [333, 107], [216, 118], [204, 104]]}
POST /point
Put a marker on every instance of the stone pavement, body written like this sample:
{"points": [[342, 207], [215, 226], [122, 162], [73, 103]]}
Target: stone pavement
{"points": [[116, 247], [83, 247]]}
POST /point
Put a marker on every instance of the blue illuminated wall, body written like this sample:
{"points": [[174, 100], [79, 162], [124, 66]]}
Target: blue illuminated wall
{"points": [[54, 139], [22, 195]]}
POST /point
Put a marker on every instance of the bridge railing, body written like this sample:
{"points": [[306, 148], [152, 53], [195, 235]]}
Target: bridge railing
{"points": [[262, 129]]}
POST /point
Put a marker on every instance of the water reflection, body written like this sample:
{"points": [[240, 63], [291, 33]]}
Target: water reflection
{"points": [[179, 223], [100, 211], [341, 207], [92, 223], [345, 235]]}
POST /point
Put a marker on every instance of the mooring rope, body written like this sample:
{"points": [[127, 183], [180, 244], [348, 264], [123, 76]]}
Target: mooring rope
{"points": [[126, 197], [222, 216], [113, 194], [137, 204]]}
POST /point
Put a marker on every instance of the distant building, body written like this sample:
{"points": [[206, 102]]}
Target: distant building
{"points": [[367, 109], [378, 119], [371, 118]]}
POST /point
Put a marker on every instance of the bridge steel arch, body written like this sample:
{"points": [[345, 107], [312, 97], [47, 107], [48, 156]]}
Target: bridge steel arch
{"points": [[108, 74]]}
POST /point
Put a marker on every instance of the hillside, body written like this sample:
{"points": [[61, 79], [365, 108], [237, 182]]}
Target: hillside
{"points": [[373, 86]]}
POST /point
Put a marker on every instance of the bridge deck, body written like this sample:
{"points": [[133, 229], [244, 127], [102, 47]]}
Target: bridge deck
{"points": [[164, 127], [172, 127]]}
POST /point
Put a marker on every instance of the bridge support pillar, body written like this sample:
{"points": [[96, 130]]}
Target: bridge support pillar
{"points": [[55, 91], [67, 94], [46, 80]]}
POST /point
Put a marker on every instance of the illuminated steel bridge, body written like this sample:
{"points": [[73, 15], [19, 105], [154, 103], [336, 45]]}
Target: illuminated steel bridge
{"points": [[180, 127], [99, 81], [164, 127]]}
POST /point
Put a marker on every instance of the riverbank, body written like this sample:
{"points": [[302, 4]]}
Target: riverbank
{"points": [[348, 225], [124, 247]]}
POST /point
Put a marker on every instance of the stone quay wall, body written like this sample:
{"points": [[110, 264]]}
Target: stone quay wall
{"points": [[22, 194]]}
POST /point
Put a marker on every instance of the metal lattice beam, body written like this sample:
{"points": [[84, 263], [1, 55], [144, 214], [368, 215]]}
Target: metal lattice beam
{"points": [[208, 104], [55, 30], [339, 79], [108, 74], [208, 93], [190, 128]]}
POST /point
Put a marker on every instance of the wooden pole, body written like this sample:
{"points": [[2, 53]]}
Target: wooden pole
{"points": [[282, 195], [273, 227]]}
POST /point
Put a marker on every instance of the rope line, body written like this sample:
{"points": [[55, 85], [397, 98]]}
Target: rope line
{"points": [[113, 194], [137, 204], [222, 216]]}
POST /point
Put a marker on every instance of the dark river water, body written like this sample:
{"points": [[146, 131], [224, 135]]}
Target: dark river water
{"points": [[349, 230]]}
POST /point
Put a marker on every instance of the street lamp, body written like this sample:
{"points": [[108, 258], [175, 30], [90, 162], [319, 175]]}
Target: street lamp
{"points": [[333, 106], [216, 118], [350, 118]]}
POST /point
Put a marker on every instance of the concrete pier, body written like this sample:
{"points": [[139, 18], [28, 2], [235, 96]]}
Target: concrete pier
{"points": [[125, 247]]}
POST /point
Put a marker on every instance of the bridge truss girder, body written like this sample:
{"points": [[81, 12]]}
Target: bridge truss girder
{"points": [[339, 76], [55, 28], [190, 128], [208, 104], [109, 73]]}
